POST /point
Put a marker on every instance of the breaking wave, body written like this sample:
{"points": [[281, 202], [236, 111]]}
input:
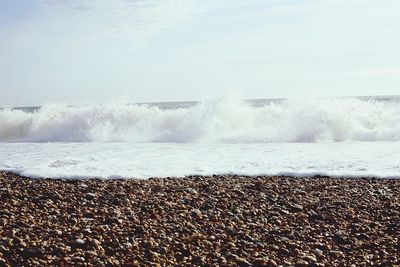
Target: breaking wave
{"points": [[223, 120]]}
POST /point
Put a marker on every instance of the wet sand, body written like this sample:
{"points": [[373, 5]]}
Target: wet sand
{"points": [[200, 221]]}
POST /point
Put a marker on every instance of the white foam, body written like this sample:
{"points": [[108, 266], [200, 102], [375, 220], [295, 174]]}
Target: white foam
{"points": [[337, 137], [225, 120], [144, 160]]}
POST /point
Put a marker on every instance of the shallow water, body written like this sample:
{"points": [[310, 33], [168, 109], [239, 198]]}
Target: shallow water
{"points": [[143, 160]]}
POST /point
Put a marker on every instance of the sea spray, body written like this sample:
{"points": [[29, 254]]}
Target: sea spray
{"points": [[227, 120]]}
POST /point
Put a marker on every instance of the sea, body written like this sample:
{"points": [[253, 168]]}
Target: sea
{"points": [[339, 137]]}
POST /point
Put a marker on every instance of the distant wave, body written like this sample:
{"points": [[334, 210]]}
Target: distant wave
{"points": [[223, 120]]}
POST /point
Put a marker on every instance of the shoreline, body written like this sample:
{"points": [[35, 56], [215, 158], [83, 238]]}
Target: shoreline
{"points": [[200, 220], [275, 175]]}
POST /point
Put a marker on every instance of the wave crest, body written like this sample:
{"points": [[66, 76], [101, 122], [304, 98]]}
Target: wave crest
{"points": [[223, 120]]}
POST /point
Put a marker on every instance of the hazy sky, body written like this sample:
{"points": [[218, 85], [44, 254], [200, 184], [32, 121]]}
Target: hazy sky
{"points": [[161, 50]]}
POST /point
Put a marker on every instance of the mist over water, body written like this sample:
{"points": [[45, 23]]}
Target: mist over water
{"points": [[226, 120]]}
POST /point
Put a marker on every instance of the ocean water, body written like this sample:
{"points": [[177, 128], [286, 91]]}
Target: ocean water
{"points": [[337, 137]]}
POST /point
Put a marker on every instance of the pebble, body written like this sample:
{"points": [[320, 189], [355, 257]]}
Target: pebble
{"points": [[78, 259], [301, 263], [57, 232], [80, 242], [310, 258], [127, 245], [318, 252], [272, 263], [234, 221], [163, 250], [91, 254], [91, 195], [192, 191]]}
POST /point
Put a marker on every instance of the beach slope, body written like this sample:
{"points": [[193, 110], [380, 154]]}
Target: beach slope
{"points": [[197, 221]]}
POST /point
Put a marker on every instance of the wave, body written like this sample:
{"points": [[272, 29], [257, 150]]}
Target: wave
{"points": [[223, 120]]}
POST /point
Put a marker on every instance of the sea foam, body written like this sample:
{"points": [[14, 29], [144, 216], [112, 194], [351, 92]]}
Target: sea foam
{"points": [[144, 160], [226, 120]]}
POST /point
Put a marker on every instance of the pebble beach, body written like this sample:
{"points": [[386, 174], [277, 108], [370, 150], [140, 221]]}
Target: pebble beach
{"points": [[199, 221]]}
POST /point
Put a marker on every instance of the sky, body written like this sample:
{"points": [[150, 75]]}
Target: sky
{"points": [[72, 51]]}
